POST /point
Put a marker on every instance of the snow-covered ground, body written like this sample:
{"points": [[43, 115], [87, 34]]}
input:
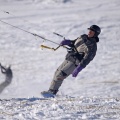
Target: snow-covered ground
{"points": [[33, 68], [82, 108]]}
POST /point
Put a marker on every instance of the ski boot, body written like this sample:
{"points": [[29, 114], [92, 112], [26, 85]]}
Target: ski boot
{"points": [[49, 94]]}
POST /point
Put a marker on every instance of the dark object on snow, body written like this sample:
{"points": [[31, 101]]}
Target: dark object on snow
{"points": [[8, 77]]}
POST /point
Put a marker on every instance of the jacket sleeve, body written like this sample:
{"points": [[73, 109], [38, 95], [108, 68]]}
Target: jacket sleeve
{"points": [[72, 43], [88, 56]]}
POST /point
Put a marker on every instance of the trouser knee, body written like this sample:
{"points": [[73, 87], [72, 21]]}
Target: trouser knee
{"points": [[61, 75]]}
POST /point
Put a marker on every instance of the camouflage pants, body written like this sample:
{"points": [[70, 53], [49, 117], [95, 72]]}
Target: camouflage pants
{"points": [[63, 71]]}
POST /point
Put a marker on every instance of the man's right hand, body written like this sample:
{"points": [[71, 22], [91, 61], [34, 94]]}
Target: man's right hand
{"points": [[65, 42]]}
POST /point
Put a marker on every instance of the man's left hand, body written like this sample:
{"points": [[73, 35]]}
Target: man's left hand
{"points": [[76, 71]]}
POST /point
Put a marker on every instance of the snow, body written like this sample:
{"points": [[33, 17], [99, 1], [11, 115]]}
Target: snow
{"points": [[81, 108], [97, 86]]}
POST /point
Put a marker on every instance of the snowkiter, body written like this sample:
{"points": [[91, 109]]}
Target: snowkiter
{"points": [[83, 50]]}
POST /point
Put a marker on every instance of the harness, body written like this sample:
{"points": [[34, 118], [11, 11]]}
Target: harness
{"points": [[74, 55]]}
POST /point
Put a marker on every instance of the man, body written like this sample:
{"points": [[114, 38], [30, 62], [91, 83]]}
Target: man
{"points": [[83, 50], [8, 77]]}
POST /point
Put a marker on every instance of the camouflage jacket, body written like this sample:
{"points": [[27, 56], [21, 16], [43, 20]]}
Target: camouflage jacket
{"points": [[83, 50]]}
